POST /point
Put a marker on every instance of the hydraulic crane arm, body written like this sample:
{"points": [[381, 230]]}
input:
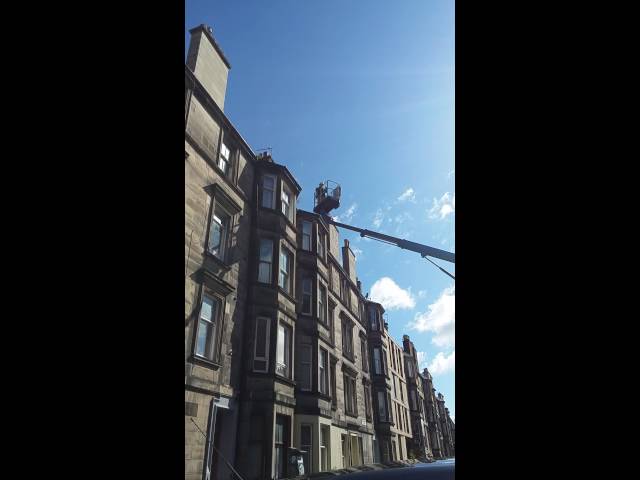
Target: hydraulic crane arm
{"points": [[423, 250]]}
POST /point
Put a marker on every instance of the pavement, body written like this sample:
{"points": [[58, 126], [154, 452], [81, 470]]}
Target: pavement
{"points": [[405, 469]]}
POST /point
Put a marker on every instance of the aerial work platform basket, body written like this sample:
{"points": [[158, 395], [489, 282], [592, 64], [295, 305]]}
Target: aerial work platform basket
{"points": [[326, 197]]}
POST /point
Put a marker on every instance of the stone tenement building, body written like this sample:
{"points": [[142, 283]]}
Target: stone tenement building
{"points": [[419, 442], [281, 347]]}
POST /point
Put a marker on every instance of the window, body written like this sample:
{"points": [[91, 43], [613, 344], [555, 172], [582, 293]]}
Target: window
{"points": [[334, 398], [410, 368], [363, 354], [324, 448], [322, 304], [218, 233], [281, 442], [377, 363], [223, 160], [344, 451], [306, 295], [323, 372], [269, 191], [283, 354], [306, 438], [266, 259], [384, 362], [206, 334], [305, 367], [367, 401], [306, 236], [414, 403], [372, 319], [382, 406], [286, 208], [261, 345], [284, 279], [350, 402], [332, 310], [347, 339], [321, 239]]}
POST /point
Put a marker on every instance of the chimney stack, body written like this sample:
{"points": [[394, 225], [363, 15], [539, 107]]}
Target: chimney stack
{"points": [[208, 63]]}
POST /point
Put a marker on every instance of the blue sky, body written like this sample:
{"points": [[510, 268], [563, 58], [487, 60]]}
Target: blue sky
{"points": [[362, 93]]}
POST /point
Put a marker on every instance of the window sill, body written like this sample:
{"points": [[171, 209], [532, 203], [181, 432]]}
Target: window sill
{"points": [[351, 414], [287, 295], [215, 259], [286, 380], [204, 362]]}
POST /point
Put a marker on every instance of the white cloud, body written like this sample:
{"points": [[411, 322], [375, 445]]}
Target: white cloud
{"points": [[347, 216], [443, 207], [379, 218], [409, 194], [422, 293], [451, 173], [422, 360], [357, 252], [440, 318], [441, 364], [391, 296]]}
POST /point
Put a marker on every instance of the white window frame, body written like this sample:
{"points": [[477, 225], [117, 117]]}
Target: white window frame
{"points": [[325, 445], [261, 261], [285, 196], [323, 371], [224, 160], [322, 303], [286, 354], [219, 217], [213, 325], [264, 358], [273, 191], [309, 449], [286, 254]]}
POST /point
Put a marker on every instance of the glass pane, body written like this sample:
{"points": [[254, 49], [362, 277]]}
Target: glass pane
{"points": [[267, 198], [306, 228], [306, 285], [280, 345], [264, 272], [306, 303], [215, 236], [266, 250], [268, 183], [224, 151], [203, 335], [207, 310]]}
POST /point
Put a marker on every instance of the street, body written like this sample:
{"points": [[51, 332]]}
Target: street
{"points": [[438, 470]]}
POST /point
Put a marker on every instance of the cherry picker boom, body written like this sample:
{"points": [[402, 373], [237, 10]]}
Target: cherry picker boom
{"points": [[327, 197]]}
